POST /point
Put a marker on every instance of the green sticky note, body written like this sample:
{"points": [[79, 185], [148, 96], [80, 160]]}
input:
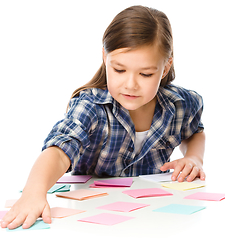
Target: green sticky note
{"points": [[56, 188], [66, 188], [38, 225], [179, 209]]}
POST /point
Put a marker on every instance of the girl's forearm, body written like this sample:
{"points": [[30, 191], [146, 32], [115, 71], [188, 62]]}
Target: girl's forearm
{"points": [[48, 168], [194, 146]]}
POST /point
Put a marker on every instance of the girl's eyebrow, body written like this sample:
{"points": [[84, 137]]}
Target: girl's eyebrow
{"points": [[121, 65]]}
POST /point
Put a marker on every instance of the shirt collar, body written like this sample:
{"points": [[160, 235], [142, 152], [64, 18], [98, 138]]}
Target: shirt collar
{"points": [[166, 96]]}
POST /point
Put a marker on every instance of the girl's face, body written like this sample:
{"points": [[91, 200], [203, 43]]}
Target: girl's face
{"points": [[134, 76]]}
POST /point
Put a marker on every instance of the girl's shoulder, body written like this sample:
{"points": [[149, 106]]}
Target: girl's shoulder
{"points": [[190, 97], [91, 97]]}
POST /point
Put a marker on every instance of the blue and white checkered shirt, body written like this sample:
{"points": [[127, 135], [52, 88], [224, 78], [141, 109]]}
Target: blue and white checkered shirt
{"points": [[98, 134]]}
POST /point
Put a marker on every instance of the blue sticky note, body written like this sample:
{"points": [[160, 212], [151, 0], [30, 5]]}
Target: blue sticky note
{"points": [[56, 188], [179, 209], [66, 188], [39, 224]]}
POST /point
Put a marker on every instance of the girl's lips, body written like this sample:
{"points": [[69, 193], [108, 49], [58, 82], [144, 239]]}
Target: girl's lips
{"points": [[130, 97]]}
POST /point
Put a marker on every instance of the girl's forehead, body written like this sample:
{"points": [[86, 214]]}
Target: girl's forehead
{"points": [[144, 55]]}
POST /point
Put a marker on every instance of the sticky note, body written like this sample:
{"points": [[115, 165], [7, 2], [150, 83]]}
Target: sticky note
{"points": [[38, 225], [81, 194], [59, 212], [183, 186], [57, 188], [106, 219], [163, 177], [74, 179], [123, 206], [9, 203], [179, 209], [2, 214], [147, 192], [117, 182], [206, 196]]}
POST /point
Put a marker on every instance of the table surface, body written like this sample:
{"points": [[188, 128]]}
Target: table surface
{"points": [[147, 224]]}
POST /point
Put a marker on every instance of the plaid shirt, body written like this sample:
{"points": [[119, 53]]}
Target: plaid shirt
{"points": [[98, 134]]}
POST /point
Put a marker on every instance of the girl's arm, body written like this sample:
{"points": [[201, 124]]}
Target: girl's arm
{"points": [[191, 164], [49, 167]]}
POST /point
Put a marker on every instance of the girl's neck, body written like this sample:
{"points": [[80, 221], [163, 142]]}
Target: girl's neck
{"points": [[143, 116]]}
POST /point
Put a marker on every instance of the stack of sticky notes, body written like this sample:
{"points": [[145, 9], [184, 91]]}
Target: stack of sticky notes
{"points": [[147, 192], [59, 188], [111, 183], [74, 179], [81, 194]]}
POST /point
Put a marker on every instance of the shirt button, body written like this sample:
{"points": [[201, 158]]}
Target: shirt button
{"points": [[167, 143], [130, 149]]}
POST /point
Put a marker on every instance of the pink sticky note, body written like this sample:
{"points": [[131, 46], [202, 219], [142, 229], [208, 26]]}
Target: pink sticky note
{"points": [[59, 212], [2, 214], [106, 219], [81, 194], [206, 196], [147, 192], [123, 206], [9, 203], [118, 182], [74, 179]]}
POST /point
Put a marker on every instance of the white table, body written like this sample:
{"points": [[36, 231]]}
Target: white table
{"points": [[146, 225]]}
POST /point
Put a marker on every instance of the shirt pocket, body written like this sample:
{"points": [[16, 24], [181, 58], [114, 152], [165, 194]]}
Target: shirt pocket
{"points": [[167, 142]]}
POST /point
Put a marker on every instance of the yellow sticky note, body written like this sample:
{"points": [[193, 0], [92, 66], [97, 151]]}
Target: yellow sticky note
{"points": [[183, 186]]}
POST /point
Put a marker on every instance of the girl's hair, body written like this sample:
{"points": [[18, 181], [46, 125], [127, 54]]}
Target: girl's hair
{"points": [[134, 27]]}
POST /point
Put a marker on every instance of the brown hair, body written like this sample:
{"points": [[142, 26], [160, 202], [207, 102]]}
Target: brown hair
{"points": [[134, 27]]}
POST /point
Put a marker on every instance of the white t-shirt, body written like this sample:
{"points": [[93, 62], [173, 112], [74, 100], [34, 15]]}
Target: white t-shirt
{"points": [[139, 139]]}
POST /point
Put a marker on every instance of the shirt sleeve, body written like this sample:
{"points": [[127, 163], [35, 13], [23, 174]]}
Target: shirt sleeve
{"points": [[72, 133], [192, 120]]}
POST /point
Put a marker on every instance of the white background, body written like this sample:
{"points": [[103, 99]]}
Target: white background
{"points": [[50, 48]]}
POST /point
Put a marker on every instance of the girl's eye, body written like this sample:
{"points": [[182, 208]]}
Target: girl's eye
{"points": [[146, 75], [119, 71]]}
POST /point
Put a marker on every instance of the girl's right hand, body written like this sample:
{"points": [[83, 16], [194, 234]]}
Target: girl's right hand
{"points": [[26, 211]]}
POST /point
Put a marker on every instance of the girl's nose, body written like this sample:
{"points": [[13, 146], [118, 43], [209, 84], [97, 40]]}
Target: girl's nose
{"points": [[131, 82]]}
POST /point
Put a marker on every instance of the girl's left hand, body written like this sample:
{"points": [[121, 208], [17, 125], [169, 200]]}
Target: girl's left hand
{"points": [[185, 167]]}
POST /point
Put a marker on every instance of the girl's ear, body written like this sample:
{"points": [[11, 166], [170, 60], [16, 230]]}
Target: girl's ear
{"points": [[104, 55], [167, 67]]}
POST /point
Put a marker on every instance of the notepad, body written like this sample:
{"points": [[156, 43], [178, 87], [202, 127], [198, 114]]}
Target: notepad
{"points": [[106, 219], [117, 182], [206, 196], [183, 186], [147, 192], [74, 179], [81, 194], [163, 177], [38, 225], [123, 206], [59, 188], [59, 212], [179, 209]]}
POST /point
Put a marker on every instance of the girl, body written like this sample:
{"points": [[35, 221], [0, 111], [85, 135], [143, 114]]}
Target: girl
{"points": [[126, 121]]}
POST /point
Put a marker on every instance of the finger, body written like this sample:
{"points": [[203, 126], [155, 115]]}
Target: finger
{"points": [[46, 215], [185, 172], [194, 173], [168, 165], [17, 221], [29, 221], [179, 167], [7, 219], [202, 175]]}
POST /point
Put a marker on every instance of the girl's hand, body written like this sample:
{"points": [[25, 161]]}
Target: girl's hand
{"points": [[185, 167], [26, 211]]}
